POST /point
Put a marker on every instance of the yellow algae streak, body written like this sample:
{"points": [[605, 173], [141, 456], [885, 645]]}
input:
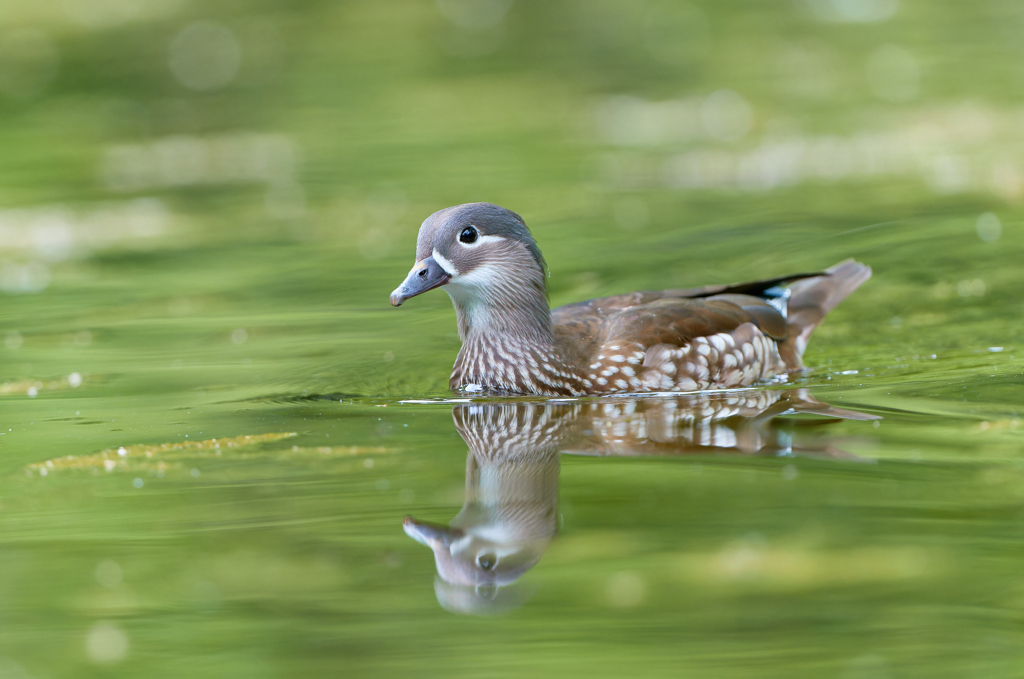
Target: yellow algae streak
{"points": [[33, 388], [164, 456], [342, 450], [132, 457]]}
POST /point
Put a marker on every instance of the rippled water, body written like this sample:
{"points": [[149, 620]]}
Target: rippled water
{"points": [[221, 448]]}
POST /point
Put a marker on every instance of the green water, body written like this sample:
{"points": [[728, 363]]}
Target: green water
{"points": [[200, 225]]}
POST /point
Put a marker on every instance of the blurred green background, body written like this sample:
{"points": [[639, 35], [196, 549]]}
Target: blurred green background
{"points": [[203, 209]]}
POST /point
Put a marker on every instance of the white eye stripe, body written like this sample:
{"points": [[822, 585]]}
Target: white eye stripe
{"points": [[480, 240], [448, 267]]}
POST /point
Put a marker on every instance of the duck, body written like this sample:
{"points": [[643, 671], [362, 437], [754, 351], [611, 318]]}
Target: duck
{"points": [[679, 340]]}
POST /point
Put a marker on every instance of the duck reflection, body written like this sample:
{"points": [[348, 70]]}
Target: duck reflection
{"points": [[510, 512], [511, 509]]}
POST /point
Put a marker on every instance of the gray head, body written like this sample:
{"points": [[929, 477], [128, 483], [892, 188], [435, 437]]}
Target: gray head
{"points": [[492, 547], [483, 253]]}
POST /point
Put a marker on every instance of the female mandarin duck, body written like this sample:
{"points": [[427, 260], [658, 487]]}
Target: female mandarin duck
{"points": [[672, 340]]}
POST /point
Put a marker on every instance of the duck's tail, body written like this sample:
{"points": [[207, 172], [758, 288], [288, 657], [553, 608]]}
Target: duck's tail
{"points": [[810, 299]]}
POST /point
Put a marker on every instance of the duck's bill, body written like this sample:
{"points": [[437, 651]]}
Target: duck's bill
{"points": [[429, 534], [426, 275]]}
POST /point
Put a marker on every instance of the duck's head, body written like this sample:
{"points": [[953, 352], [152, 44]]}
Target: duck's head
{"points": [[473, 578], [483, 253], [490, 553]]}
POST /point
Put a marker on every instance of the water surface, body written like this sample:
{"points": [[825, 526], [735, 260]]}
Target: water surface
{"points": [[214, 426]]}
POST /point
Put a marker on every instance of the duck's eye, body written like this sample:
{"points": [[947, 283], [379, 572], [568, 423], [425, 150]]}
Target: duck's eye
{"points": [[487, 561], [468, 235]]}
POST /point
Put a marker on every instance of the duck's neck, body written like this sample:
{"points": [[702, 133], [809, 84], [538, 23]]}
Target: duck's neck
{"points": [[525, 316], [508, 343]]}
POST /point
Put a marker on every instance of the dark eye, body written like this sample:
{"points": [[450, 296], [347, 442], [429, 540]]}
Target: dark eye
{"points": [[487, 561], [468, 235]]}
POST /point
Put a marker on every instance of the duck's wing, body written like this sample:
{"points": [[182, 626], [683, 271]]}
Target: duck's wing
{"points": [[769, 288], [675, 320], [685, 316], [715, 337], [675, 317], [667, 320], [676, 344]]}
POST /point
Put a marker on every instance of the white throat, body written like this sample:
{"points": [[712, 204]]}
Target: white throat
{"points": [[472, 294]]}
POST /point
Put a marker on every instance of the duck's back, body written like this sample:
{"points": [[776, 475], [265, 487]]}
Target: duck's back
{"points": [[717, 336]]}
